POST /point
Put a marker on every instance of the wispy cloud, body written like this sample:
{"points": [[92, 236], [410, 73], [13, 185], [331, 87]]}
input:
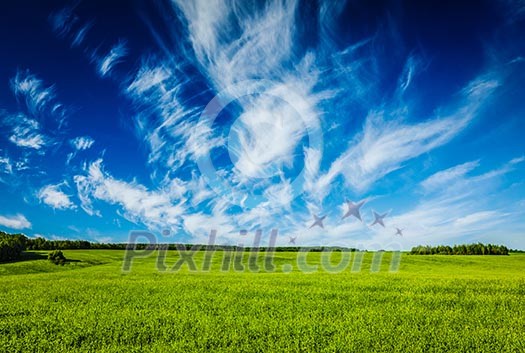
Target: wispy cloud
{"points": [[152, 208], [5, 165], [448, 220], [166, 123], [32, 89], [115, 56], [517, 160], [384, 145], [82, 143], [409, 72], [449, 215], [266, 134], [312, 163], [18, 221], [445, 177], [477, 217], [53, 196], [66, 23], [80, 35], [26, 132], [39, 99], [11, 166], [458, 177], [236, 43], [230, 46], [280, 195], [148, 77], [62, 21]]}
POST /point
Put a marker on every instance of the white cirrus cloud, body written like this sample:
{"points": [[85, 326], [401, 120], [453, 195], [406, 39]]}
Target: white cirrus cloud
{"points": [[26, 132], [148, 77], [477, 217], [53, 196], [445, 177], [156, 209], [115, 55], [32, 89], [6, 165], [236, 43], [166, 121], [517, 160], [448, 215], [237, 50], [457, 178], [39, 102], [17, 221], [82, 143], [280, 195], [264, 137], [384, 145], [80, 35], [253, 46]]}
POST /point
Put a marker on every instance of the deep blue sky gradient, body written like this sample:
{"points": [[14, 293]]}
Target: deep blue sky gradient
{"points": [[407, 62]]}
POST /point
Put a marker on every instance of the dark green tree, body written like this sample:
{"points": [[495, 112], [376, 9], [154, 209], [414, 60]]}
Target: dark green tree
{"points": [[57, 257]]}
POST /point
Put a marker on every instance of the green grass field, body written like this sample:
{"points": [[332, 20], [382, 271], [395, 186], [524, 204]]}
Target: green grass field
{"points": [[432, 304]]}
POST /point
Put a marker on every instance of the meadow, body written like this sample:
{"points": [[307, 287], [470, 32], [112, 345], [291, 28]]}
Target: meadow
{"points": [[433, 303]]}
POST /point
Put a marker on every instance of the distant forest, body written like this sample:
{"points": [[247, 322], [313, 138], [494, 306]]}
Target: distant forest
{"points": [[12, 247], [470, 249]]}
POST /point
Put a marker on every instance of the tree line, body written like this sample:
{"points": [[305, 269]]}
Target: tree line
{"points": [[469, 249], [44, 244], [12, 246]]}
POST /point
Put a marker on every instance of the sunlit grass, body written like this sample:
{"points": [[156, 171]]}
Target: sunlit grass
{"points": [[433, 303]]}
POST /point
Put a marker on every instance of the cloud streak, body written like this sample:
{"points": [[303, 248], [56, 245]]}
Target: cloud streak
{"points": [[82, 143], [53, 196], [152, 208], [17, 221], [445, 177], [26, 133], [112, 58], [5, 165], [37, 97], [384, 145]]}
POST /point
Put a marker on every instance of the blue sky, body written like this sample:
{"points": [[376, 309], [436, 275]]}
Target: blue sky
{"points": [[199, 115]]}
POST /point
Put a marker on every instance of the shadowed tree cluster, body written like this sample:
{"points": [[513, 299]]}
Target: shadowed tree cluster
{"points": [[470, 249], [11, 246], [57, 257]]}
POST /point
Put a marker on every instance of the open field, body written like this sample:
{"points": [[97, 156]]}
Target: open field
{"points": [[432, 304]]}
